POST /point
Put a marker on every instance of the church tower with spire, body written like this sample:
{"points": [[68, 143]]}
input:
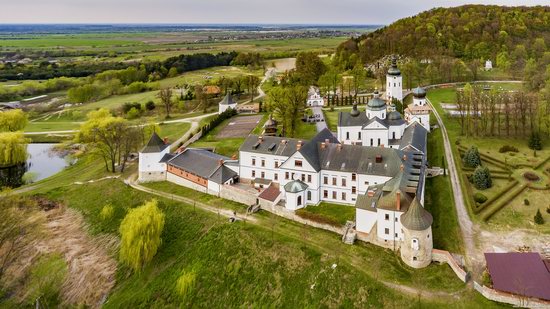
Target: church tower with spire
{"points": [[394, 82]]}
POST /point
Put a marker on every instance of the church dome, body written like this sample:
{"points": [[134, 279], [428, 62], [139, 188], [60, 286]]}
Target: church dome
{"points": [[419, 92], [354, 112], [295, 186], [393, 70], [394, 116], [270, 122], [376, 102]]}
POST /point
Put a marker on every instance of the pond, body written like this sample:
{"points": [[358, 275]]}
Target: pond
{"points": [[43, 162]]}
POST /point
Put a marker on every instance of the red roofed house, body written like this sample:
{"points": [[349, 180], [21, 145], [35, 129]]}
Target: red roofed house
{"points": [[525, 274]]}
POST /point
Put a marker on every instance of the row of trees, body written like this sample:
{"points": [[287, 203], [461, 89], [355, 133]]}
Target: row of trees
{"points": [[496, 113], [31, 88]]}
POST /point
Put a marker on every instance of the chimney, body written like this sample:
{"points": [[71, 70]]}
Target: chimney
{"points": [[260, 139], [323, 145], [402, 167], [339, 147], [398, 205], [370, 193], [234, 157], [165, 140], [404, 157], [381, 145], [299, 145], [181, 149], [220, 162], [327, 141], [378, 158], [283, 141]]}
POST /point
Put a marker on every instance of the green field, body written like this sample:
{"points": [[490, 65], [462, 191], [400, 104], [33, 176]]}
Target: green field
{"points": [[173, 131]]}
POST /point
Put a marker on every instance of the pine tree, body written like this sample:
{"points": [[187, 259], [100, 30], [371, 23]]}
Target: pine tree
{"points": [[472, 158], [482, 178], [535, 142], [538, 218]]}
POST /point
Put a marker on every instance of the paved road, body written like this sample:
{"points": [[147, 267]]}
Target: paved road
{"points": [[321, 125]]}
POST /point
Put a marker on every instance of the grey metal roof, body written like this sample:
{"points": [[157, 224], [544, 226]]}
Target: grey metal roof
{"points": [[222, 174], [419, 92], [394, 116], [295, 186], [283, 146], [200, 162], [416, 217], [376, 102], [393, 70], [227, 100], [155, 144], [345, 119], [310, 150], [415, 136], [167, 157]]}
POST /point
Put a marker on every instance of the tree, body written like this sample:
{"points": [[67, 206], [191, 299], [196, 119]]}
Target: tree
{"points": [[482, 178], [359, 76], [13, 148], [173, 72], [471, 157], [534, 141], [140, 234], [309, 67], [538, 218], [252, 82], [503, 61], [287, 104], [330, 80], [165, 96], [13, 120]]}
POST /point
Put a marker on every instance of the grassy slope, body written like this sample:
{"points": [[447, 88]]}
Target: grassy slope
{"points": [[173, 131], [333, 212]]}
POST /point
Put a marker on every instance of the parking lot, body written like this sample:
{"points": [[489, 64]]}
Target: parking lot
{"points": [[239, 126]]}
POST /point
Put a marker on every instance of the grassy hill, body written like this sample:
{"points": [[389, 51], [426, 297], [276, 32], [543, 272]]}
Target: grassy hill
{"points": [[470, 32]]}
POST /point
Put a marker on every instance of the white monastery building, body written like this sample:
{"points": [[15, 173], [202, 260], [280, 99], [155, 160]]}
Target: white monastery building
{"points": [[226, 104], [394, 82], [314, 97], [419, 111]]}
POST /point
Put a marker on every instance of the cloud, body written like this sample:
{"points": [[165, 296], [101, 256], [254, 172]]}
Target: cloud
{"points": [[224, 11]]}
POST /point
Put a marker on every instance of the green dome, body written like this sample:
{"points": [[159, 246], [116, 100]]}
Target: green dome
{"points": [[419, 92], [376, 102], [394, 116], [295, 186], [416, 218]]}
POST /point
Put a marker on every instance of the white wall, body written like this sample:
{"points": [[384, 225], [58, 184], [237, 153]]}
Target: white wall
{"points": [[223, 107], [393, 224], [364, 220], [149, 167], [186, 183], [394, 87]]}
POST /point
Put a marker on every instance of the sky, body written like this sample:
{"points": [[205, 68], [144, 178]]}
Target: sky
{"points": [[225, 11]]}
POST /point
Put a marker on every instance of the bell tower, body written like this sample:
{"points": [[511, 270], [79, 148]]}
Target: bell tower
{"points": [[394, 82]]}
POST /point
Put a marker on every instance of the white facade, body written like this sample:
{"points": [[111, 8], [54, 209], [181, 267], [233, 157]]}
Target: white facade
{"points": [[149, 167], [419, 111], [394, 87], [314, 97], [488, 65], [223, 107]]}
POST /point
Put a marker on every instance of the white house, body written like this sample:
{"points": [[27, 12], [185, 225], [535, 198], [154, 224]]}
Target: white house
{"points": [[419, 111], [314, 97], [488, 65], [226, 104], [150, 166], [394, 82]]}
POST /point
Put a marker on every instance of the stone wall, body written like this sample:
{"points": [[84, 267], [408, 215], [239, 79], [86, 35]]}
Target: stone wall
{"points": [[151, 176], [511, 299], [193, 139], [442, 256], [235, 194], [283, 212], [186, 183]]}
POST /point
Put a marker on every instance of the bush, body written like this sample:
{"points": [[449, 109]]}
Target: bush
{"points": [[471, 157], [535, 142], [150, 105], [538, 218], [480, 198], [126, 107], [526, 202], [508, 148], [185, 283], [133, 113], [107, 212], [482, 178], [548, 210]]}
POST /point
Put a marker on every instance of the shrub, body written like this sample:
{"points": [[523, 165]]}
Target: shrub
{"points": [[482, 178], [534, 141], [508, 148], [133, 113], [538, 218], [185, 283], [107, 212], [150, 105], [46, 279], [526, 202], [480, 198], [531, 176], [471, 157], [548, 210], [127, 107], [140, 235]]}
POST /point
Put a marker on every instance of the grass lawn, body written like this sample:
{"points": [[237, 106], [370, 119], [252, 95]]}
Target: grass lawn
{"points": [[45, 126], [334, 214], [198, 76], [305, 131], [518, 215], [173, 131]]}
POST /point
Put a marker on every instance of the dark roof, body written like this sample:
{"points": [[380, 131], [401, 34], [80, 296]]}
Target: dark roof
{"points": [[519, 273], [200, 162], [419, 92], [393, 70], [270, 193], [345, 119], [376, 102], [155, 144], [222, 174], [416, 218], [295, 186], [167, 157], [310, 150], [354, 111], [282, 146], [227, 100], [415, 136], [394, 116], [360, 159]]}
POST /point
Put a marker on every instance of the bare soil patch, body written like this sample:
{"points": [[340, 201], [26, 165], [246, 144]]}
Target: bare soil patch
{"points": [[239, 126]]}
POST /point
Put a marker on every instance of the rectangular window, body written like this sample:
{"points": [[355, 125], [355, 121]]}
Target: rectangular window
{"points": [[325, 180], [333, 195], [395, 219], [353, 177], [309, 178], [343, 182], [334, 181], [387, 217], [387, 231], [276, 177], [304, 177], [366, 183], [263, 163], [263, 174], [353, 190], [298, 163], [253, 174], [325, 194], [343, 196], [276, 164], [378, 142], [359, 135], [396, 235], [253, 161], [347, 135], [309, 195], [286, 175], [371, 142]]}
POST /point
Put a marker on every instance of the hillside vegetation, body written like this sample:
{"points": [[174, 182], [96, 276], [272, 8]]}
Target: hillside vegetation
{"points": [[470, 32]]}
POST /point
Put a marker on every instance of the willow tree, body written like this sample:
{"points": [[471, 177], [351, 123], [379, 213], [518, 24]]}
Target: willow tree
{"points": [[13, 148], [13, 120], [140, 235]]}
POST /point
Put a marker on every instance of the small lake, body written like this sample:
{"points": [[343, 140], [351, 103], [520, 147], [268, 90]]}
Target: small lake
{"points": [[43, 161]]}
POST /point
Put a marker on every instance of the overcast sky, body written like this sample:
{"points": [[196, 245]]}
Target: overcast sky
{"points": [[223, 11]]}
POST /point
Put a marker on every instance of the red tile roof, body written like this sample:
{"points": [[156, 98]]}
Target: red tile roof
{"points": [[270, 193], [519, 273]]}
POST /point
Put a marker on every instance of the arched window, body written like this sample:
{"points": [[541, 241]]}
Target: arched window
{"points": [[299, 202], [414, 244], [309, 195]]}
